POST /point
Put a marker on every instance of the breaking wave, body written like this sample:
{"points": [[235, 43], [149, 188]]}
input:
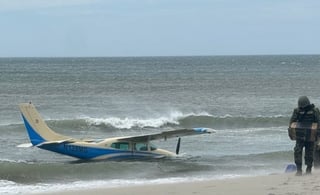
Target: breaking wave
{"points": [[172, 120], [189, 120], [179, 120]]}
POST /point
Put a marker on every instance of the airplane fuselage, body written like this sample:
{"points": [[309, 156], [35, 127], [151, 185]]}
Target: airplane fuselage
{"points": [[110, 149]]}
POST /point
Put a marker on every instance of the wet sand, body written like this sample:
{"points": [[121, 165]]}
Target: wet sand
{"points": [[276, 184]]}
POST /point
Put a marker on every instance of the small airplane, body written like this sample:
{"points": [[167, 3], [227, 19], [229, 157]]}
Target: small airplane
{"points": [[117, 148]]}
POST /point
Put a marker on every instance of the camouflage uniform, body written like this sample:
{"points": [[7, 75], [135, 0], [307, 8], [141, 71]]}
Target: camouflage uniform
{"points": [[305, 113]]}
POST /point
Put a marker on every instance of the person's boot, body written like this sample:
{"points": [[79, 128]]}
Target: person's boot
{"points": [[308, 170], [299, 170]]}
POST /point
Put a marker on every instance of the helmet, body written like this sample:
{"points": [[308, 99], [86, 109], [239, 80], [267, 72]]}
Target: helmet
{"points": [[303, 102]]}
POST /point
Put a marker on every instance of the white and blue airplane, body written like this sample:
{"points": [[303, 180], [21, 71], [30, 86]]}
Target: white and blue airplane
{"points": [[117, 148]]}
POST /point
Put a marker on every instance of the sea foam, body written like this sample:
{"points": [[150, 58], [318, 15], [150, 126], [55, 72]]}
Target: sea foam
{"points": [[127, 122]]}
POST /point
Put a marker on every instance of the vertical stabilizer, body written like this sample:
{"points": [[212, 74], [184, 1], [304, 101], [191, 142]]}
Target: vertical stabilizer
{"points": [[36, 127]]}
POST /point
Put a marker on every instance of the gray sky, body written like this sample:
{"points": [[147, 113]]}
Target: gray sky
{"points": [[53, 28]]}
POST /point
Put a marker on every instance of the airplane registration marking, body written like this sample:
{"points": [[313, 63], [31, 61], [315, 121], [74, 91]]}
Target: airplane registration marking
{"points": [[74, 148]]}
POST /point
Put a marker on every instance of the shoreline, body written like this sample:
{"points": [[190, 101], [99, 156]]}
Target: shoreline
{"points": [[274, 184]]}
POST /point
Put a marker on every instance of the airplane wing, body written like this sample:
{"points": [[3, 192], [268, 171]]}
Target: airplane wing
{"points": [[168, 134]]}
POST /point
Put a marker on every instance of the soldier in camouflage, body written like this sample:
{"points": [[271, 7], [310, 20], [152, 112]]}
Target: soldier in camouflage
{"points": [[304, 116]]}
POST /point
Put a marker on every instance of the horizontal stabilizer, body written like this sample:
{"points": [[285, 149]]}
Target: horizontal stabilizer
{"points": [[56, 142], [26, 145]]}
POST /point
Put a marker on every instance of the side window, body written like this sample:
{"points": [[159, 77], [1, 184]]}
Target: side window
{"points": [[141, 147], [124, 146], [120, 145]]}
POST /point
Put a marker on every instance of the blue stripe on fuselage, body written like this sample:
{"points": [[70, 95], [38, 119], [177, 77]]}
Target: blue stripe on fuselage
{"points": [[77, 151], [87, 153], [35, 138]]}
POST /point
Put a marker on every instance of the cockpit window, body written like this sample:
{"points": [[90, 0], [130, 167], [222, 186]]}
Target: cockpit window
{"points": [[153, 147], [120, 145], [141, 146]]}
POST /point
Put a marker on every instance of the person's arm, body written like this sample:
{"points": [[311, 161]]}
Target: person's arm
{"points": [[294, 116], [317, 120]]}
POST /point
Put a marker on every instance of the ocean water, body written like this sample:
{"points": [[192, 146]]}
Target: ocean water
{"points": [[247, 99]]}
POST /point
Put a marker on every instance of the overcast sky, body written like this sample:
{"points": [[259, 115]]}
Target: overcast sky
{"points": [[53, 28]]}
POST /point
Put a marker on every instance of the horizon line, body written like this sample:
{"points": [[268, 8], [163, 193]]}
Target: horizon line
{"points": [[153, 56]]}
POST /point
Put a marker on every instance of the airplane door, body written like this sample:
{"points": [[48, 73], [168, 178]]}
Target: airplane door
{"points": [[139, 148]]}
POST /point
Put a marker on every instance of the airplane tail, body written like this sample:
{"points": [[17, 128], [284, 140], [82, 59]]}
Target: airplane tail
{"points": [[36, 127]]}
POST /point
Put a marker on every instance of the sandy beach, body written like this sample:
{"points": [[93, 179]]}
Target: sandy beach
{"points": [[275, 184]]}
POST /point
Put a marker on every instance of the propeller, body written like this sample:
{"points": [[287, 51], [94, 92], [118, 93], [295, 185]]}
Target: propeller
{"points": [[178, 146]]}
